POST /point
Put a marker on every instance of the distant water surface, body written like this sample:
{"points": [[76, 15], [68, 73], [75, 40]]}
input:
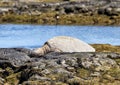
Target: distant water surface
{"points": [[32, 36]]}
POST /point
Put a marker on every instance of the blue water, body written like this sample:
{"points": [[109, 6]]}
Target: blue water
{"points": [[32, 36]]}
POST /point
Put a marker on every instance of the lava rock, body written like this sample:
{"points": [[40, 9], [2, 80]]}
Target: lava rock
{"points": [[11, 57]]}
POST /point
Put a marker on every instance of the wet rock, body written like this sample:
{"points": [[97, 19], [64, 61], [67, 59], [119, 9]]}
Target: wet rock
{"points": [[110, 11], [69, 9], [59, 67], [97, 63], [26, 51], [11, 57], [101, 11]]}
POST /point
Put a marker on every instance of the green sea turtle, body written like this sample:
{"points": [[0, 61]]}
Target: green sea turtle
{"points": [[64, 44]]}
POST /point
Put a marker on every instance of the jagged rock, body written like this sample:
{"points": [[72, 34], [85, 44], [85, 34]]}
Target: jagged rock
{"points": [[46, 71], [97, 63], [13, 58], [54, 67], [113, 56], [64, 44], [69, 9], [101, 11], [38, 65], [61, 71], [26, 51], [93, 61]]}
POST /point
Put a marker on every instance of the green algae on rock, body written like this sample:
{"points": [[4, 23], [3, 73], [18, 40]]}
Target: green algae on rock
{"points": [[63, 69], [65, 19], [62, 12]]}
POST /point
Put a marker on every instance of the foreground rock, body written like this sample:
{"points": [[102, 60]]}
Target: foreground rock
{"points": [[64, 44], [15, 56], [59, 68]]}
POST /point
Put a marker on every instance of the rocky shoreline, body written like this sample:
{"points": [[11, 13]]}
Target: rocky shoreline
{"points": [[62, 60], [87, 12], [20, 66]]}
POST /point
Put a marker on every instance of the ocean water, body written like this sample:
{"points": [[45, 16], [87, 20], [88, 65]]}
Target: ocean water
{"points": [[33, 36]]}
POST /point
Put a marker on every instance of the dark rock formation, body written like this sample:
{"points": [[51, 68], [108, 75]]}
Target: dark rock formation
{"points": [[18, 67], [77, 12], [15, 56], [107, 7]]}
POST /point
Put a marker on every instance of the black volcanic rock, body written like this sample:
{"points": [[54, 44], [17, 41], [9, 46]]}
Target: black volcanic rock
{"points": [[17, 66], [13, 57]]}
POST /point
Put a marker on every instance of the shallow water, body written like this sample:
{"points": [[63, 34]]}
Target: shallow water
{"points": [[32, 36]]}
